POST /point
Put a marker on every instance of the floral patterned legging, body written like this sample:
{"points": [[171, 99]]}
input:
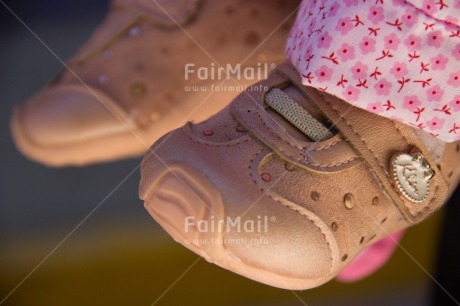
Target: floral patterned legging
{"points": [[396, 58]]}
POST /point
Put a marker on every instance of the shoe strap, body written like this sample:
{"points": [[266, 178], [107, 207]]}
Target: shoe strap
{"points": [[385, 146], [252, 110], [297, 115]]}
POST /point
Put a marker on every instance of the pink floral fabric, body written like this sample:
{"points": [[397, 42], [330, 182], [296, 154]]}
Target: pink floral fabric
{"points": [[396, 58]]}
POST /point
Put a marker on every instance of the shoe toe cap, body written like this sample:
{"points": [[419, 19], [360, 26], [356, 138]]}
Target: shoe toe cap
{"points": [[66, 114], [74, 125], [290, 242]]}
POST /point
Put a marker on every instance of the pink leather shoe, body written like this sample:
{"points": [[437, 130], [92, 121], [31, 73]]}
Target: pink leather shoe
{"points": [[287, 185], [135, 79]]}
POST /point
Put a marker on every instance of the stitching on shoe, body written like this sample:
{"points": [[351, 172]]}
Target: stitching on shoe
{"points": [[305, 161], [276, 135], [287, 205], [373, 154], [357, 134], [325, 147], [400, 133], [299, 148], [319, 148], [192, 136]]}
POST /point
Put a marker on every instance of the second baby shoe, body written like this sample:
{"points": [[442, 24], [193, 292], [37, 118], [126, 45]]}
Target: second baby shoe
{"points": [[150, 67]]}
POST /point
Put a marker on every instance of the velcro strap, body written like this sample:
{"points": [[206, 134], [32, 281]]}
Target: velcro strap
{"points": [[297, 115], [249, 109], [378, 139]]}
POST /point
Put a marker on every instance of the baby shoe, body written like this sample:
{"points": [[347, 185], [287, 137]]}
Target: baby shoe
{"points": [[287, 184], [150, 67]]}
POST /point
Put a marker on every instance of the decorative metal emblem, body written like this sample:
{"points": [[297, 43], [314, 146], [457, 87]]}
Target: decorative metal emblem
{"points": [[411, 174]]}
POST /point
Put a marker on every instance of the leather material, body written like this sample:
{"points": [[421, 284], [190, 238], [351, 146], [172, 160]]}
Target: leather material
{"points": [[365, 132], [137, 60], [169, 13], [310, 253], [262, 168], [250, 109], [98, 120], [142, 53]]}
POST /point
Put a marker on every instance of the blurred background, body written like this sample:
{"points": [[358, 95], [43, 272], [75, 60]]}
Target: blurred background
{"points": [[80, 236]]}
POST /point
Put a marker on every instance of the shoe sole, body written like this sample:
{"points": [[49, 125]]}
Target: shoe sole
{"points": [[179, 190]]}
